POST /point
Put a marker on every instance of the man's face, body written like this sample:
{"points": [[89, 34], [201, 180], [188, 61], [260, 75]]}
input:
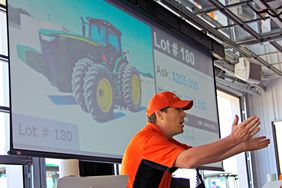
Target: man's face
{"points": [[173, 121]]}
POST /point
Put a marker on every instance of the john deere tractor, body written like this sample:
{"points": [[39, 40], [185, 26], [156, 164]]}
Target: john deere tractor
{"points": [[93, 67]]}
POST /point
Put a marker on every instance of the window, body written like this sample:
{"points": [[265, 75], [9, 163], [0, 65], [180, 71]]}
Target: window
{"points": [[11, 176], [4, 132], [52, 172], [98, 34], [4, 83], [234, 175], [3, 33], [277, 134], [12, 169]]}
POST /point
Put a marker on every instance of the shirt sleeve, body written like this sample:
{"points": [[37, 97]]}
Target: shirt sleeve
{"points": [[162, 151]]}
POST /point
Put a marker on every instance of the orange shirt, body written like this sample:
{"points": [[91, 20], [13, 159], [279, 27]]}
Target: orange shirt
{"points": [[149, 158]]}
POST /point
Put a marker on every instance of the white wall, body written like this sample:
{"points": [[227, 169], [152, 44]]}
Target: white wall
{"points": [[228, 107], [3, 2], [268, 107], [14, 176]]}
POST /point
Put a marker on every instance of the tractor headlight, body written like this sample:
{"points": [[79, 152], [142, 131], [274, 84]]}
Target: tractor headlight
{"points": [[47, 38]]}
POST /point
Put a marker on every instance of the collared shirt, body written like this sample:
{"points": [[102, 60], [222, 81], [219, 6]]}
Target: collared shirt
{"points": [[149, 158]]}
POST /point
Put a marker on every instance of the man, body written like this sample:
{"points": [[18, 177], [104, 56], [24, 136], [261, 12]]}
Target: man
{"points": [[152, 154]]}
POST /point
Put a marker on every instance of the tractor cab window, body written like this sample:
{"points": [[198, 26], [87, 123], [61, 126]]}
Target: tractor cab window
{"points": [[114, 40], [98, 34], [86, 30]]}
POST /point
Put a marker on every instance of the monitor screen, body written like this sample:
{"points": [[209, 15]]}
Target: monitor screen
{"points": [[82, 73]]}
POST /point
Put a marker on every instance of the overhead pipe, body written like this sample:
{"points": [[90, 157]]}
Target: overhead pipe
{"points": [[237, 87]]}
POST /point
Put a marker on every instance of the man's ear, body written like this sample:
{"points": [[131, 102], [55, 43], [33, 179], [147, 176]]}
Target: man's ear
{"points": [[159, 114]]}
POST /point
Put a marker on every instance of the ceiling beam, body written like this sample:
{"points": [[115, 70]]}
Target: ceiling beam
{"points": [[245, 22], [238, 87], [276, 45], [265, 37], [264, 5], [207, 10], [234, 18], [205, 26]]}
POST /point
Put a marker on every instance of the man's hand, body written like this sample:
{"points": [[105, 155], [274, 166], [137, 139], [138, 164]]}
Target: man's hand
{"points": [[245, 130], [255, 143]]}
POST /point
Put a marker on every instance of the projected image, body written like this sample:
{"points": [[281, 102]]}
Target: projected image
{"points": [[92, 66], [183, 69], [77, 75], [83, 72]]}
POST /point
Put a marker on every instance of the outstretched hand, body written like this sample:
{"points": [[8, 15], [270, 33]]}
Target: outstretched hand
{"points": [[246, 130], [256, 143]]}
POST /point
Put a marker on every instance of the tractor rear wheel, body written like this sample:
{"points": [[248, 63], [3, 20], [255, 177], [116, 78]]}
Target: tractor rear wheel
{"points": [[78, 75], [131, 88], [98, 93]]}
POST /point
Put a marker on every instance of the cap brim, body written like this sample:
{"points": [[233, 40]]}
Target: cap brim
{"points": [[184, 104]]}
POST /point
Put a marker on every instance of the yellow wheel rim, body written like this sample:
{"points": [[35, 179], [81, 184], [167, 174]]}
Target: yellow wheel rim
{"points": [[136, 89], [104, 95]]}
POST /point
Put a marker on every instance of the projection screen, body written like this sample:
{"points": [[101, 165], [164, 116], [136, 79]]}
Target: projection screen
{"points": [[82, 72]]}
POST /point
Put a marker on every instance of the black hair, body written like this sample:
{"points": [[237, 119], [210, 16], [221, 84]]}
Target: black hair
{"points": [[152, 118]]}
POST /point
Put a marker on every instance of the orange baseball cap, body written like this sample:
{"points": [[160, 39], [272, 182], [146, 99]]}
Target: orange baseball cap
{"points": [[167, 99]]}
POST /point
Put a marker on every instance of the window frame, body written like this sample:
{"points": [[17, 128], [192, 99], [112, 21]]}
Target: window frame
{"points": [[276, 145]]}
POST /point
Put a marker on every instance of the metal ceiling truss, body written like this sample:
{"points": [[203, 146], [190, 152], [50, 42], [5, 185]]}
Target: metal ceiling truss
{"points": [[244, 52], [207, 10], [245, 22], [271, 11], [264, 37], [234, 18], [222, 83], [276, 45]]}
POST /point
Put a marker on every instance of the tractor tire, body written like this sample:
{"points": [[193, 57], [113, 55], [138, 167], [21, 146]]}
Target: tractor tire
{"points": [[120, 70], [78, 75], [121, 67], [131, 88], [99, 93]]}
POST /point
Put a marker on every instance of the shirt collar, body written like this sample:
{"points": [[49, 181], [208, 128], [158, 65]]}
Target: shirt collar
{"points": [[153, 127]]}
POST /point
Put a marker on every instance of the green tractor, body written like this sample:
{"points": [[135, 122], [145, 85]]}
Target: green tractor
{"points": [[92, 67]]}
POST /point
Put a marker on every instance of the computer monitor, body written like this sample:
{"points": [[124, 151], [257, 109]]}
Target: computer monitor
{"points": [[93, 182]]}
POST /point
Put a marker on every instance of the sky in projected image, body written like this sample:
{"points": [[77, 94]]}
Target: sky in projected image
{"points": [[133, 31]]}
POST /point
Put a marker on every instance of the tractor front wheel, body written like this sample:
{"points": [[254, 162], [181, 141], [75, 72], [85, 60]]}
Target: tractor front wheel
{"points": [[78, 75], [98, 93], [131, 88]]}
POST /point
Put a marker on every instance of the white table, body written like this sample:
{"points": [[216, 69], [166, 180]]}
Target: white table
{"points": [[273, 184]]}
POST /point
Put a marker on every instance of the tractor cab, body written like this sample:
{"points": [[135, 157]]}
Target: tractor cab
{"points": [[104, 34]]}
